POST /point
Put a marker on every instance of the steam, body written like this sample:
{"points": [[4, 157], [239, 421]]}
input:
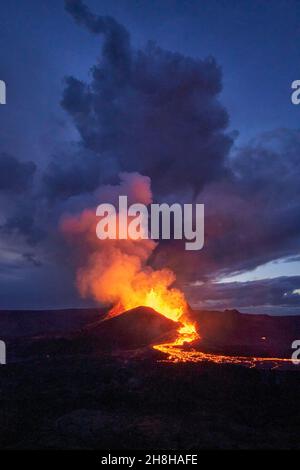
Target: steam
{"points": [[117, 272]]}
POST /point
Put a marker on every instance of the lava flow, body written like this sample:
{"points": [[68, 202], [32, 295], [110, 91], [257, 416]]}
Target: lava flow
{"points": [[181, 349], [169, 302], [118, 272], [187, 334], [176, 354]]}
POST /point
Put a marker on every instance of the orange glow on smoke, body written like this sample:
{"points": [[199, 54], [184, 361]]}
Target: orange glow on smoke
{"points": [[118, 273], [155, 292], [169, 302]]}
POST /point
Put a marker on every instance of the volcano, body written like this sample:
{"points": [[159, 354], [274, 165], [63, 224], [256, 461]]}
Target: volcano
{"points": [[107, 382], [216, 337], [135, 328]]}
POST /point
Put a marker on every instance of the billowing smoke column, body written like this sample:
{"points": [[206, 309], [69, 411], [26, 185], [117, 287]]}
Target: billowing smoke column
{"points": [[116, 272], [148, 110]]}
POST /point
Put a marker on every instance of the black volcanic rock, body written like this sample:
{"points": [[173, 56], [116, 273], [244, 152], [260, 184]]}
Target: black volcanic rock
{"points": [[29, 323], [65, 332], [232, 332], [141, 326], [133, 329]]}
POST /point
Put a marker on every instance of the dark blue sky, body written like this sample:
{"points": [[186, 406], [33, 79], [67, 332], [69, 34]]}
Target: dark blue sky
{"points": [[255, 42]]}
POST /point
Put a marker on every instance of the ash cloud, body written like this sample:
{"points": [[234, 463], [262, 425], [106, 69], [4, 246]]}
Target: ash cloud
{"points": [[150, 110], [71, 174], [117, 272], [158, 113], [18, 205], [15, 176], [116, 49], [252, 217], [261, 208]]}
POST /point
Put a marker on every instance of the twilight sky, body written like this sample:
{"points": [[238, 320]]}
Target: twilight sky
{"points": [[204, 110]]}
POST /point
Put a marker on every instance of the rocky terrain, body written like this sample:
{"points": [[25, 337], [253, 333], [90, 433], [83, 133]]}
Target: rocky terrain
{"points": [[89, 384]]}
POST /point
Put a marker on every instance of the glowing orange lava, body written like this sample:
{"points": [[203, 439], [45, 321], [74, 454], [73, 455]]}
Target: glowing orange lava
{"points": [[118, 272], [175, 354], [169, 302], [187, 333]]}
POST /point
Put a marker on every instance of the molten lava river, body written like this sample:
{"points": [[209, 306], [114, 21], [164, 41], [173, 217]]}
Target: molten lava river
{"points": [[181, 349]]}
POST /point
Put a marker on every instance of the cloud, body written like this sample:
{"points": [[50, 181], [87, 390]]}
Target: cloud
{"points": [[18, 203], [261, 209], [24, 224], [150, 110], [259, 295], [116, 271], [70, 174], [157, 113], [252, 217], [15, 176], [116, 49], [32, 259]]}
